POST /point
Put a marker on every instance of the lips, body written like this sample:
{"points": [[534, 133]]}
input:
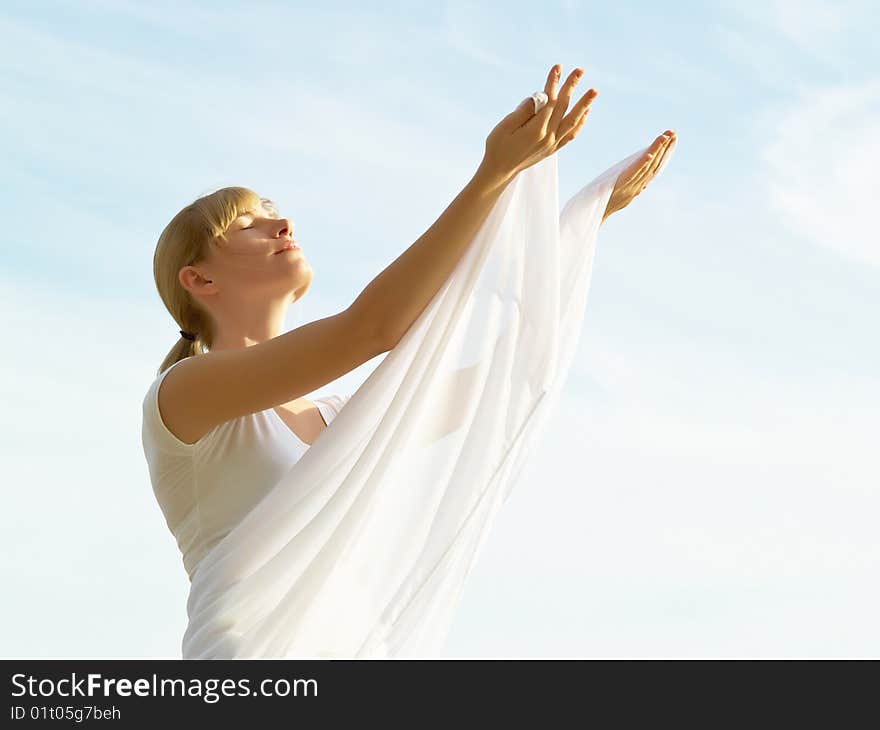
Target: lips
{"points": [[290, 245]]}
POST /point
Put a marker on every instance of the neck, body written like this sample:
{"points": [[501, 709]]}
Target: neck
{"points": [[249, 325]]}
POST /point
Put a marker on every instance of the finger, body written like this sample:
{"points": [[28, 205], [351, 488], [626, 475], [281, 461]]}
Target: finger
{"points": [[638, 177], [561, 102], [573, 132], [524, 111], [552, 81], [667, 153], [571, 125], [651, 165], [662, 143], [577, 111], [520, 117], [643, 173]]}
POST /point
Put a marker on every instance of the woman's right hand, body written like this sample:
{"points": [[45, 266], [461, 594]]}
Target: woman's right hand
{"points": [[524, 138]]}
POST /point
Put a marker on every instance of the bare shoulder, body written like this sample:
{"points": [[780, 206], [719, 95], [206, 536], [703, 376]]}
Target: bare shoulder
{"points": [[173, 405], [203, 391]]}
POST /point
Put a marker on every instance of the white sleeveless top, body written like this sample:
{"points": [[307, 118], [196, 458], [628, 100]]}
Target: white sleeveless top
{"points": [[204, 489]]}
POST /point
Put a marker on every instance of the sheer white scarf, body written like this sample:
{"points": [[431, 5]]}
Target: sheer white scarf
{"points": [[363, 547]]}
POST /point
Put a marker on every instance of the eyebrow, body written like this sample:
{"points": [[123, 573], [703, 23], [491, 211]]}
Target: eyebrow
{"points": [[270, 208], [251, 213]]}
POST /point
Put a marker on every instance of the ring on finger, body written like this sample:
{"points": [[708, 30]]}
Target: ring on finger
{"points": [[540, 98]]}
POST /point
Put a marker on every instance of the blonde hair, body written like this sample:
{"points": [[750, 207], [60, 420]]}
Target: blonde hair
{"points": [[185, 241]]}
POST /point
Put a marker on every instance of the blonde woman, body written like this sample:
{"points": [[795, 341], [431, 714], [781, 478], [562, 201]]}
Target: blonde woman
{"points": [[302, 538]]}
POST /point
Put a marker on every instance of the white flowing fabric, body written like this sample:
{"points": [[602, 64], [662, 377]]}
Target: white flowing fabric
{"points": [[363, 547]]}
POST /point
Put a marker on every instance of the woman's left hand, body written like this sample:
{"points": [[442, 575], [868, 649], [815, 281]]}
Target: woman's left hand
{"points": [[637, 176]]}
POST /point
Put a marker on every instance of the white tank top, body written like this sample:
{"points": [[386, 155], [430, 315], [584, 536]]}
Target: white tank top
{"points": [[204, 489]]}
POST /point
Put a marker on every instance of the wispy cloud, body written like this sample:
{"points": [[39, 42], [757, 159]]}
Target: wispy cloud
{"points": [[792, 42], [465, 25], [820, 160], [808, 23]]}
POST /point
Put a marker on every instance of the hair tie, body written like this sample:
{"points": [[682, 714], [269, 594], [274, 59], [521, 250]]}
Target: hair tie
{"points": [[187, 335]]}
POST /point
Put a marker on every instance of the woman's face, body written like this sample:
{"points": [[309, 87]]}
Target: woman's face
{"points": [[256, 259]]}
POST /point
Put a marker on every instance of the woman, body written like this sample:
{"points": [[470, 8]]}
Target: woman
{"points": [[302, 539]]}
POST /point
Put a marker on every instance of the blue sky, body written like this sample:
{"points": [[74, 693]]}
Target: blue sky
{"points": [[708, 487]]}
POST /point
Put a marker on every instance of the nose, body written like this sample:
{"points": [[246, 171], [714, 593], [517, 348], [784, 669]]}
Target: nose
{"points": [[285, 226]]}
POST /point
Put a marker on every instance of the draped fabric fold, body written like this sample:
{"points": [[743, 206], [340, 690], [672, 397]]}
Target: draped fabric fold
{"points": [[362, 548]]}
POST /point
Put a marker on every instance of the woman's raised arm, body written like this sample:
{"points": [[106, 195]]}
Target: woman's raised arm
{"points": [[399, 294]]}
